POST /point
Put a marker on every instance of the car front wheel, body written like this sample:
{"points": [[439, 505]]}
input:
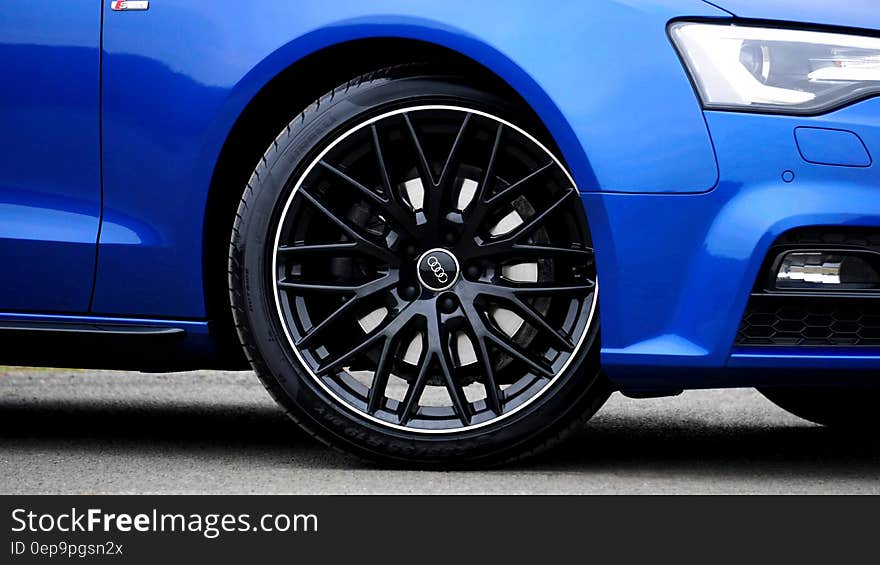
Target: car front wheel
{"points": [[412, 276]]}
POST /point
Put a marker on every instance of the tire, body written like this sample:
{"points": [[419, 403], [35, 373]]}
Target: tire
{"points": [[325, 244], [834, 407]]}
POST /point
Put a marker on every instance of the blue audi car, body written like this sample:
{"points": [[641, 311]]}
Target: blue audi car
{"points": [[442, 233]]}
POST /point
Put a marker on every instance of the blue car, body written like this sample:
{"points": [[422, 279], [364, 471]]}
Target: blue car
{"points": [[442, 233]]}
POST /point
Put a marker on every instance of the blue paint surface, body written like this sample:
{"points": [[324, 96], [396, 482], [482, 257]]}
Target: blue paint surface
{"points": [[50, 190], [823, 146]]}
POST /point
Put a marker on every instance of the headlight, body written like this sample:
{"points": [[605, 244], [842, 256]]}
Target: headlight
{"points": [[780, 70]]}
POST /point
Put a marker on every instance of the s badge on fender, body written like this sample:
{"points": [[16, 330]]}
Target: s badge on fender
{"points": [[120, 5]]}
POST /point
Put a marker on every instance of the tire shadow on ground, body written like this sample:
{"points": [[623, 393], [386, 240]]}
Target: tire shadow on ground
{"points": [[615, 442]]}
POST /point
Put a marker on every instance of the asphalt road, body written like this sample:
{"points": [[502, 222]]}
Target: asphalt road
{"points": [[66, 431]]}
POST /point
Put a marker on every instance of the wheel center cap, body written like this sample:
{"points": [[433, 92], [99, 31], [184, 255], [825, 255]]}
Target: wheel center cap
{"points": [[437, 269]]}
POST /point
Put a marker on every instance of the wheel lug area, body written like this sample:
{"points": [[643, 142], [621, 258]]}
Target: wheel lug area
{"points": [[473, 272], [448, 304], [409, 292]]}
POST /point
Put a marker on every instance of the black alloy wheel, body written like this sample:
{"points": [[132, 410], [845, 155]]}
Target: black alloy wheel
{"points": [[426, 280]]}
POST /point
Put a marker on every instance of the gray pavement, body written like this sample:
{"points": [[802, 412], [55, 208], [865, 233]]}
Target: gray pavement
{"points": [[68, 431]]}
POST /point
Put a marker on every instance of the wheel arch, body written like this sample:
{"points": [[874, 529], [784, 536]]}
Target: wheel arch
{"points": [[291, 78]]}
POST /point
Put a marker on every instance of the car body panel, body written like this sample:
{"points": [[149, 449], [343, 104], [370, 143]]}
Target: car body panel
{"points": [[675, 288], [50, 189], [168, 109]]}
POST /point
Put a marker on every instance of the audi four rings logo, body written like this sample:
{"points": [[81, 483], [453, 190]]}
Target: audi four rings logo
{"points": [[438, 269]]}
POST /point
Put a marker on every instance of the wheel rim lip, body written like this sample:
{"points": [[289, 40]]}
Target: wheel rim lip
{"points": [[447, 286], [276, 291]]}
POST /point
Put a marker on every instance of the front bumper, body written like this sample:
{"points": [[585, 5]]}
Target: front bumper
{"points": [[677, 270]]}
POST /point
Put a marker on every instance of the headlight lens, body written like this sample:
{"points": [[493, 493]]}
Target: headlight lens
{"points": [[781, 70]]}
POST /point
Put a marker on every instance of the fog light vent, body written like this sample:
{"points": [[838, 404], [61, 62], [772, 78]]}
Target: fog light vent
{"points": [[828, 271]]}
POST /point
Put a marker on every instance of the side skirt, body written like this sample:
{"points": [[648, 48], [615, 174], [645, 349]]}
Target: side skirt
{"points": [[47, 340]]}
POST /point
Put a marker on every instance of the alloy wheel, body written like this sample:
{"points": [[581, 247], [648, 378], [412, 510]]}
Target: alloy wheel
{"points": [[432, 269]]}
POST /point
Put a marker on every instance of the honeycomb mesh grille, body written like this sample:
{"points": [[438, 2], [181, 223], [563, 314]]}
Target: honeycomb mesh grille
{"points": [[798, 321]]}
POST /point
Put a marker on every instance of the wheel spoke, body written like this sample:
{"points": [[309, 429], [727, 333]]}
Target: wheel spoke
{"points": [[363, 190], [422, 165], [410, 402], [452, 159], [380, 161], [538, 220], [369, 342], [363, 291], [460, 403], [435, 190], [330, 320], [506, 290], [533, 223], [437, 195], [319, 249], [380, 377], [519, 186], [539, 289], [514, 351], [477, 209], [493, 393], [520, 250], [301, 287], [384, 331], [527, 251], [489, 171], [501, 340], [396, 207], [384, 282], [539, 322], [377, 251], [389, 205]]}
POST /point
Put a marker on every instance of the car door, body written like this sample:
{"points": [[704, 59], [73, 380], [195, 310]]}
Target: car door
{"points": [[50, 179]]}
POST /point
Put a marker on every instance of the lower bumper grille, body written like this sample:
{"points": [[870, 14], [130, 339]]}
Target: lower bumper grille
{"points": [[810, 321]]}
